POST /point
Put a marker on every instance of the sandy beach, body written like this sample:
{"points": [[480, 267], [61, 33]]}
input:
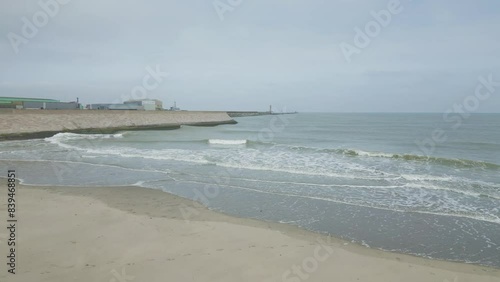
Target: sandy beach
{"points": [[137, 234]]}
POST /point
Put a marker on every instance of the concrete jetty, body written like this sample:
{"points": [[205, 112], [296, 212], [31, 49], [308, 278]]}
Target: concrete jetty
{"points": [[252, 114], [29, 124]]}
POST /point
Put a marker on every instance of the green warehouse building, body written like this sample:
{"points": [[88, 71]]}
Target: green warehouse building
{"points": [[36, 103]]}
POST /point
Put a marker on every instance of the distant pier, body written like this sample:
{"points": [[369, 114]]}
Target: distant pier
{"points": [[251, 114]]}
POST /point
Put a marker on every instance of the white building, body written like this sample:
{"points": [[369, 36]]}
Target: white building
{"points": [[147, 104]]}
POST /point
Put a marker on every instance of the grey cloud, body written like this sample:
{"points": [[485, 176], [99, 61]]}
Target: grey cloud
{"points": [[264, 52]]}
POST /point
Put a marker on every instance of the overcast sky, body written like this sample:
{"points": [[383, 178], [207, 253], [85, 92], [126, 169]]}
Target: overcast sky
{"points": [[258, 52]]}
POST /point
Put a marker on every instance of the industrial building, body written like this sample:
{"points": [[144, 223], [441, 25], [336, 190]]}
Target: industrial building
{"points": [[37, 103], [137, 105], [132, 107], [51, 105], [148, 104]]}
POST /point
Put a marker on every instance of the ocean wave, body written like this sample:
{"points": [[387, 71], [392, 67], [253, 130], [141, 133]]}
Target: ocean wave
{"points": [[167, 172], [448, 179], [390, 186], [470, 193], [427, 186], [284, 161], [61, 137], [447, 162], [459, 163], [227, 142], [481, 216], [253, 161]]}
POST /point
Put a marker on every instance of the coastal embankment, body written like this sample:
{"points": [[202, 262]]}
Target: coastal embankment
{"points": [[28, 124]]}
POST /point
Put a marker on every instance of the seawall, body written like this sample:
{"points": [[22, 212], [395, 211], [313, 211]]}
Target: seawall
{"points": [[29, 124]]}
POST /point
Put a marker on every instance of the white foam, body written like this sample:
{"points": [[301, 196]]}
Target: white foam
{"points": [[61, 137], [447, 178], [482, 216], [438, 188], [244, 159], [373, 154], [227, 142]]}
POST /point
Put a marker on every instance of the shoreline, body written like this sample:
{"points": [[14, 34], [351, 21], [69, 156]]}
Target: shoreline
{"points": [[214, 241]]}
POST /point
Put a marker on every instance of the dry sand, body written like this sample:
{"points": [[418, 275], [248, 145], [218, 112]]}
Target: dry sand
{"points": [[120, 234]]}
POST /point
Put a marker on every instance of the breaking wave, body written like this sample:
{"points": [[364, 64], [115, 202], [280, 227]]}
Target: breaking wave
{"points": [[227, 142], [460, 163], [61, 137]]}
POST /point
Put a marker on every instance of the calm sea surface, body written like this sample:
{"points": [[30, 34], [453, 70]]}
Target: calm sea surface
{"points": [[409, 183]]}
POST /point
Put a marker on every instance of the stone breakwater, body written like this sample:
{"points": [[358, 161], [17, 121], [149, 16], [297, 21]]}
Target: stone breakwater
{"points": [[28, 124]]}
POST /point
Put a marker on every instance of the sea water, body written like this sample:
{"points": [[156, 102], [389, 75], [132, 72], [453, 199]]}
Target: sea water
{"points": [[409, 183]]}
